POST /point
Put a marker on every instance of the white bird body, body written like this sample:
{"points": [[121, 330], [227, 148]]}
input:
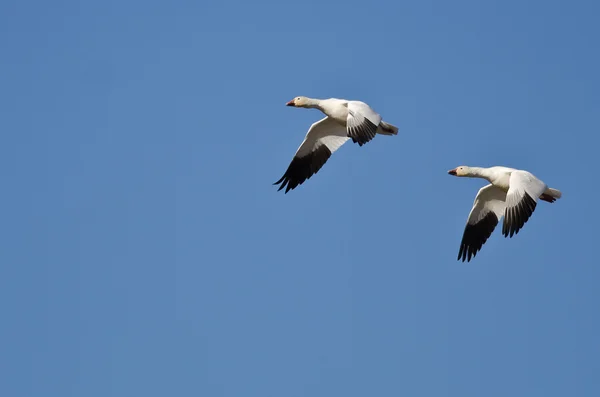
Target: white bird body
{"points": [[512, 194], [335, 109], [344, 120], [497, 176]]}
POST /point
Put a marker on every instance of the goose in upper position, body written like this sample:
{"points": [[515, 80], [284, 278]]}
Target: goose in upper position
{"points": [[343, 120], [511, 193]]}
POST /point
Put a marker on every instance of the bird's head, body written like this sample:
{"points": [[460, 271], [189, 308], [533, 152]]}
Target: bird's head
{"points": [[463, 170], [299, 102]]}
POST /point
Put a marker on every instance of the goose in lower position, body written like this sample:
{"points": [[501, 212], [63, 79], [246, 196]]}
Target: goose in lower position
{"points": [[511, 193], [343, 120]]}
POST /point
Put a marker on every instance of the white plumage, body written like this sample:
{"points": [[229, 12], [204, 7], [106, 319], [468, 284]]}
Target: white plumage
{"points": [[512, 194], [344, 120]]}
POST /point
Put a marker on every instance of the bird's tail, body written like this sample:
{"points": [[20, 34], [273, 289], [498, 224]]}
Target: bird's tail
{"points": [[387, 129], [550, 195]]}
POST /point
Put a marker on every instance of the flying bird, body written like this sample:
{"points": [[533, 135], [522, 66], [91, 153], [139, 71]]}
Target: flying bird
{"points": [[344, 120], [511, 193]]}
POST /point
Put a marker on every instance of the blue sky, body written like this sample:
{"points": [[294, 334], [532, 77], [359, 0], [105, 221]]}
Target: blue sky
{"points": [[146, 253]]}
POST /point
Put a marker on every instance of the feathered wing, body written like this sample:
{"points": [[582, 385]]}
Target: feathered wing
{"points": [[488, 208], [521, 200], [362, 122], [322, 139]]}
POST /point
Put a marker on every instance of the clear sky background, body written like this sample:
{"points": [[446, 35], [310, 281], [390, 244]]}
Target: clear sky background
{"points": [[145, 251]]}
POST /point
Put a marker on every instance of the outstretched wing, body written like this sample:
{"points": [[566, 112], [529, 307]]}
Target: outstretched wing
{"points": [[322, 139], [521, 200], [483, 218], [362, 122]]}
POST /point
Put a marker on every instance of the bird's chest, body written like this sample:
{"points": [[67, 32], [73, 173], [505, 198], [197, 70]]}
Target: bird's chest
{"points": [[502, 181], [339, 114]]}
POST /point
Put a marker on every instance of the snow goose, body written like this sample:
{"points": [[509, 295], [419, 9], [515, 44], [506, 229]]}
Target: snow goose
{"points": [[344, 120], [511, 193]]}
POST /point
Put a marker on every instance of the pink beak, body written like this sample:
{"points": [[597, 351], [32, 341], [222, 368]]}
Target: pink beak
{"points": [[291, 103], [452, 172]]}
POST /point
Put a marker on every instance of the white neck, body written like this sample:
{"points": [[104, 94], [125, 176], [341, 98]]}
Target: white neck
{"points": [[313, 103], [479, 172]]}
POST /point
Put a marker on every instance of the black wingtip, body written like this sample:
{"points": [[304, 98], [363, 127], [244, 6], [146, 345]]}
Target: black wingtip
{"points": [[283, 182], [280, 180], [475, 236], [516, 217], [462, 256], [362, 133], [302, 168]]}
